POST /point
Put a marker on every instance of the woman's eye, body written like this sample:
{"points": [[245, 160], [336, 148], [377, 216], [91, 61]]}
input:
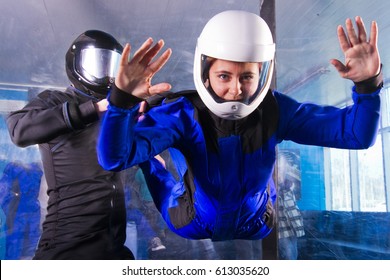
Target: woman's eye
{"points": [[247, 77], [223, 77]]}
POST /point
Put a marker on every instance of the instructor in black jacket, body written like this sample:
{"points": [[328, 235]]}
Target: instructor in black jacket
{"points": [[86, 217]]}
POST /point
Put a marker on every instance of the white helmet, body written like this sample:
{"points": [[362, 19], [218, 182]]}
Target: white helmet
{"points": [[236, 36]]}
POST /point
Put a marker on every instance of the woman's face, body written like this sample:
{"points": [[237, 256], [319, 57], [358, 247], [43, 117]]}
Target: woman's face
{"points": [[234, 80]]}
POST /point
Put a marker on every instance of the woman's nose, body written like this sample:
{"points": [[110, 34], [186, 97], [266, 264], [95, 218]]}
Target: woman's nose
{"points": [[236, 88]]}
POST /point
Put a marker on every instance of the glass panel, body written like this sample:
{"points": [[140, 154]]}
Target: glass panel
{"points": [[303, 72], [340, 180], [371, 178], [355, 222]]}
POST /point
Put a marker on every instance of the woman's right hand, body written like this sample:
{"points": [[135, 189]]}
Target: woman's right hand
{"points": [[135, 74]]}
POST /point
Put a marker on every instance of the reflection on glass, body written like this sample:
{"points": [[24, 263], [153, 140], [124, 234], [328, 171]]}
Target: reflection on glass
{"points": [[289, 217]]}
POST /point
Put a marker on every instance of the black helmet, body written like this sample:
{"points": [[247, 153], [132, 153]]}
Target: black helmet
{"points": [[92, 61]]}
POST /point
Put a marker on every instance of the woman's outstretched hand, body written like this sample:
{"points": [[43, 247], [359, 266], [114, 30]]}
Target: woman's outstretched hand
{"points": [[361, 54], [135, 74]]}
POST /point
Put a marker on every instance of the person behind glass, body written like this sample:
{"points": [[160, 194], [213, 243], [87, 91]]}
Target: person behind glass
{"points": [[19, 195], [86, 215], [228, 129], [289, 217]]}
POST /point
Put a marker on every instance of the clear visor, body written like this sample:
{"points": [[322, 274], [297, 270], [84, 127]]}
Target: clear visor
{"points": [[98, 66], [234, 81]]}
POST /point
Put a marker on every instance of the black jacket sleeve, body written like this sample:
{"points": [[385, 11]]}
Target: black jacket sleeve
{"points": [[49, 115]]}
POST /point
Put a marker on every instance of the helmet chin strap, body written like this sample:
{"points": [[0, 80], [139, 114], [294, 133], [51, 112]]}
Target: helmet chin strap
{"points": [[215, 96]]}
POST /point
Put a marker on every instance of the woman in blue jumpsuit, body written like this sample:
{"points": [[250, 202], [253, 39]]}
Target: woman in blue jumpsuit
{"points": [[227, 130]]}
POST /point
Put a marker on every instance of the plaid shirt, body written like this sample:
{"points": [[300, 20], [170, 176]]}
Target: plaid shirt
{"points": [[290, 221]]}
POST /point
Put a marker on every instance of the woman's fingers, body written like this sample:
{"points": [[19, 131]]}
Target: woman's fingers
{"points": [[353, 38], [125, 54], [374, 34], [361, 29], [140, 53], [159, 88], [160, 62]]}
